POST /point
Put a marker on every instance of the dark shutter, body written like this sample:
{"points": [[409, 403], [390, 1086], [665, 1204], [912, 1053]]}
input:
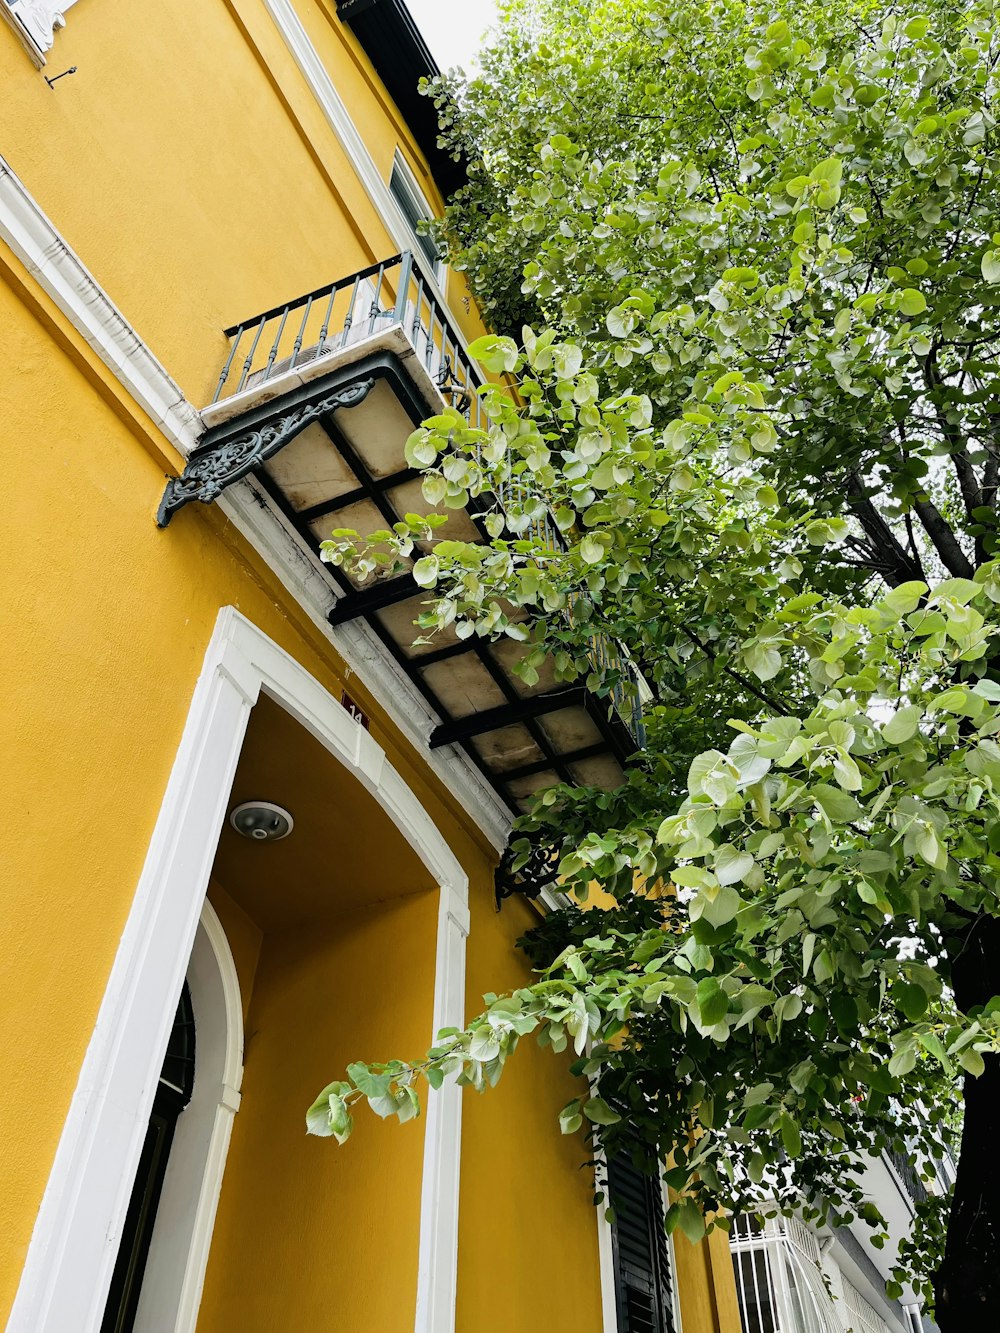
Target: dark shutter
{"points": [[641, 1256]]}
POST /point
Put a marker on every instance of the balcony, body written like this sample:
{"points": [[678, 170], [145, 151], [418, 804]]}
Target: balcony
{"points": [[316, 400]]}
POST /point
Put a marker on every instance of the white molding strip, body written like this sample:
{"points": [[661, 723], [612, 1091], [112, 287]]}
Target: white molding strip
{"points": [[72, 1251], [606, 1264], [249, 509], [339, 119], [185, 1216], [58, 271], [50, 260]]}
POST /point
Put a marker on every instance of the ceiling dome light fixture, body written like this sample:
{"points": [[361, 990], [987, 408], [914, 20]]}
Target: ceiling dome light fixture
{"points": [[262, 820]]}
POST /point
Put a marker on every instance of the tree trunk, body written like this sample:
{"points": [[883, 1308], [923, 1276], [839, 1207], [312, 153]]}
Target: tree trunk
{"points": [[967, 1284]]}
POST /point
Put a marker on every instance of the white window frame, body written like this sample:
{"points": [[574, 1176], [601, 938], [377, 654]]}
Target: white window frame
{"points": [[420, 204], [175, 1267]]}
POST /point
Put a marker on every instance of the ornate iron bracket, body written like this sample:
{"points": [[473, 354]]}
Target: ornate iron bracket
{"points": [[453, 389], [208, 474], [539, 871]]}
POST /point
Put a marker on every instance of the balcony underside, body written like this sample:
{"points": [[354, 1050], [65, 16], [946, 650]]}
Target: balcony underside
{"points": [[326, 445]]}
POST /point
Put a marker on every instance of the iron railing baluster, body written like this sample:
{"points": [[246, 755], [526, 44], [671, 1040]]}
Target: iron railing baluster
{"points": [[274, 346], [376, 308], [250, 355], [416, 311], [297, 347], [349, 318], [229, 361], [403, 291], [430, 337]]}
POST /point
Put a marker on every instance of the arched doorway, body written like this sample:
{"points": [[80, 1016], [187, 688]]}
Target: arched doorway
{"points": [[75, 1241]]}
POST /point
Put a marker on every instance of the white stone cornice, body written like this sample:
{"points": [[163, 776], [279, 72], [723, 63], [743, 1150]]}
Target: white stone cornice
{"points": [[36, 23]]}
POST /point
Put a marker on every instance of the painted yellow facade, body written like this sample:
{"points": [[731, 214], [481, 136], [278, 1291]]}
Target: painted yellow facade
{"points": [[191, 168]]}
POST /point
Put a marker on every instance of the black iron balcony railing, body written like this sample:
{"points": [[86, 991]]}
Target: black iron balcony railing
{"points": [[344, 313]]}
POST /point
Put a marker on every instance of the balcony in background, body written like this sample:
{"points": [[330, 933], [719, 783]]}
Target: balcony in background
{"points": [[316, 400]]}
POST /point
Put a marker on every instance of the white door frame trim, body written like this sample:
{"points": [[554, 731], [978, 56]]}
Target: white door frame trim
{"points": [[185, 1216], [74, 1244]]}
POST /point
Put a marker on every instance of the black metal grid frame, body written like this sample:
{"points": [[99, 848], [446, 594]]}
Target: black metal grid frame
{"points": [[353, 603]]}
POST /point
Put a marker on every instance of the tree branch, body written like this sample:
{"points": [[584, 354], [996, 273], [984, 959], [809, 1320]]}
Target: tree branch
{"points": [[953, 558], [967, 480], [895, 563]]}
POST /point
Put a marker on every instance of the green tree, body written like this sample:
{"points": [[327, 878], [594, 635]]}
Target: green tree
{"points": [[745, 262]]}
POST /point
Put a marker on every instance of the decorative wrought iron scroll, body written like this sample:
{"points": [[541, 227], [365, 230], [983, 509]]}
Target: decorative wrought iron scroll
{"points": [[209, 473], [529, 879]]}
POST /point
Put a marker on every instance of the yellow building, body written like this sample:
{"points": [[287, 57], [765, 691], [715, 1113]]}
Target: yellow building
{"points": [[181, 427]]}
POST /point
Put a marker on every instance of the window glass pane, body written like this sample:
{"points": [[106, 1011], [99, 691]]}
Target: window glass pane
{"points": [[414, 211]]}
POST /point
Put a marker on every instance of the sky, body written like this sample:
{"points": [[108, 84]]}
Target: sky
{"points": [[452, 28]]}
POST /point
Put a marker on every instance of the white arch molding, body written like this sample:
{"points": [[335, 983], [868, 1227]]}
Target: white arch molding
{"points": [[185, 1216], [74, 1244]]}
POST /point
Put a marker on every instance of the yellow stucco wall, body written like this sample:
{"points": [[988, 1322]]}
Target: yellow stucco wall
{"points": [[191, 169], [302, 1224], [519, 1175], [190, 166]]}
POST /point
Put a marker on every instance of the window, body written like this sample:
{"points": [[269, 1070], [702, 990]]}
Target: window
{"points": [[415, 208], [173, 1093], [861, 1317], [641, 1257], [779, 1280]]}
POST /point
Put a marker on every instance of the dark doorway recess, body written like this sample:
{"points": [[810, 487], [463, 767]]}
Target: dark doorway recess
{"points": [[173, 1092]]}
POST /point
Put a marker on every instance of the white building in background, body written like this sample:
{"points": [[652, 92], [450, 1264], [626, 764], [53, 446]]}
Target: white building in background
{"points": [[792, 1277]]}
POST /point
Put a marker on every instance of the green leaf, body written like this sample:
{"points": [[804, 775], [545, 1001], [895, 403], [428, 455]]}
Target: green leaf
{"points": [[690, 1220], [932, 1043], [929, 846], [328, 1117], [485, 1044], [757, 1094], [732, 864], [570, 1118], [903, 725], [787, 1007], [713, 1002], [763, 659], [592, 550], [791, 1135], [971, 1061], [745, 756], [912, 302], [902, 1061], [831, 170], [425, 571], [721, 909], [599, 1112], [912, 1000], [837, 805]]}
